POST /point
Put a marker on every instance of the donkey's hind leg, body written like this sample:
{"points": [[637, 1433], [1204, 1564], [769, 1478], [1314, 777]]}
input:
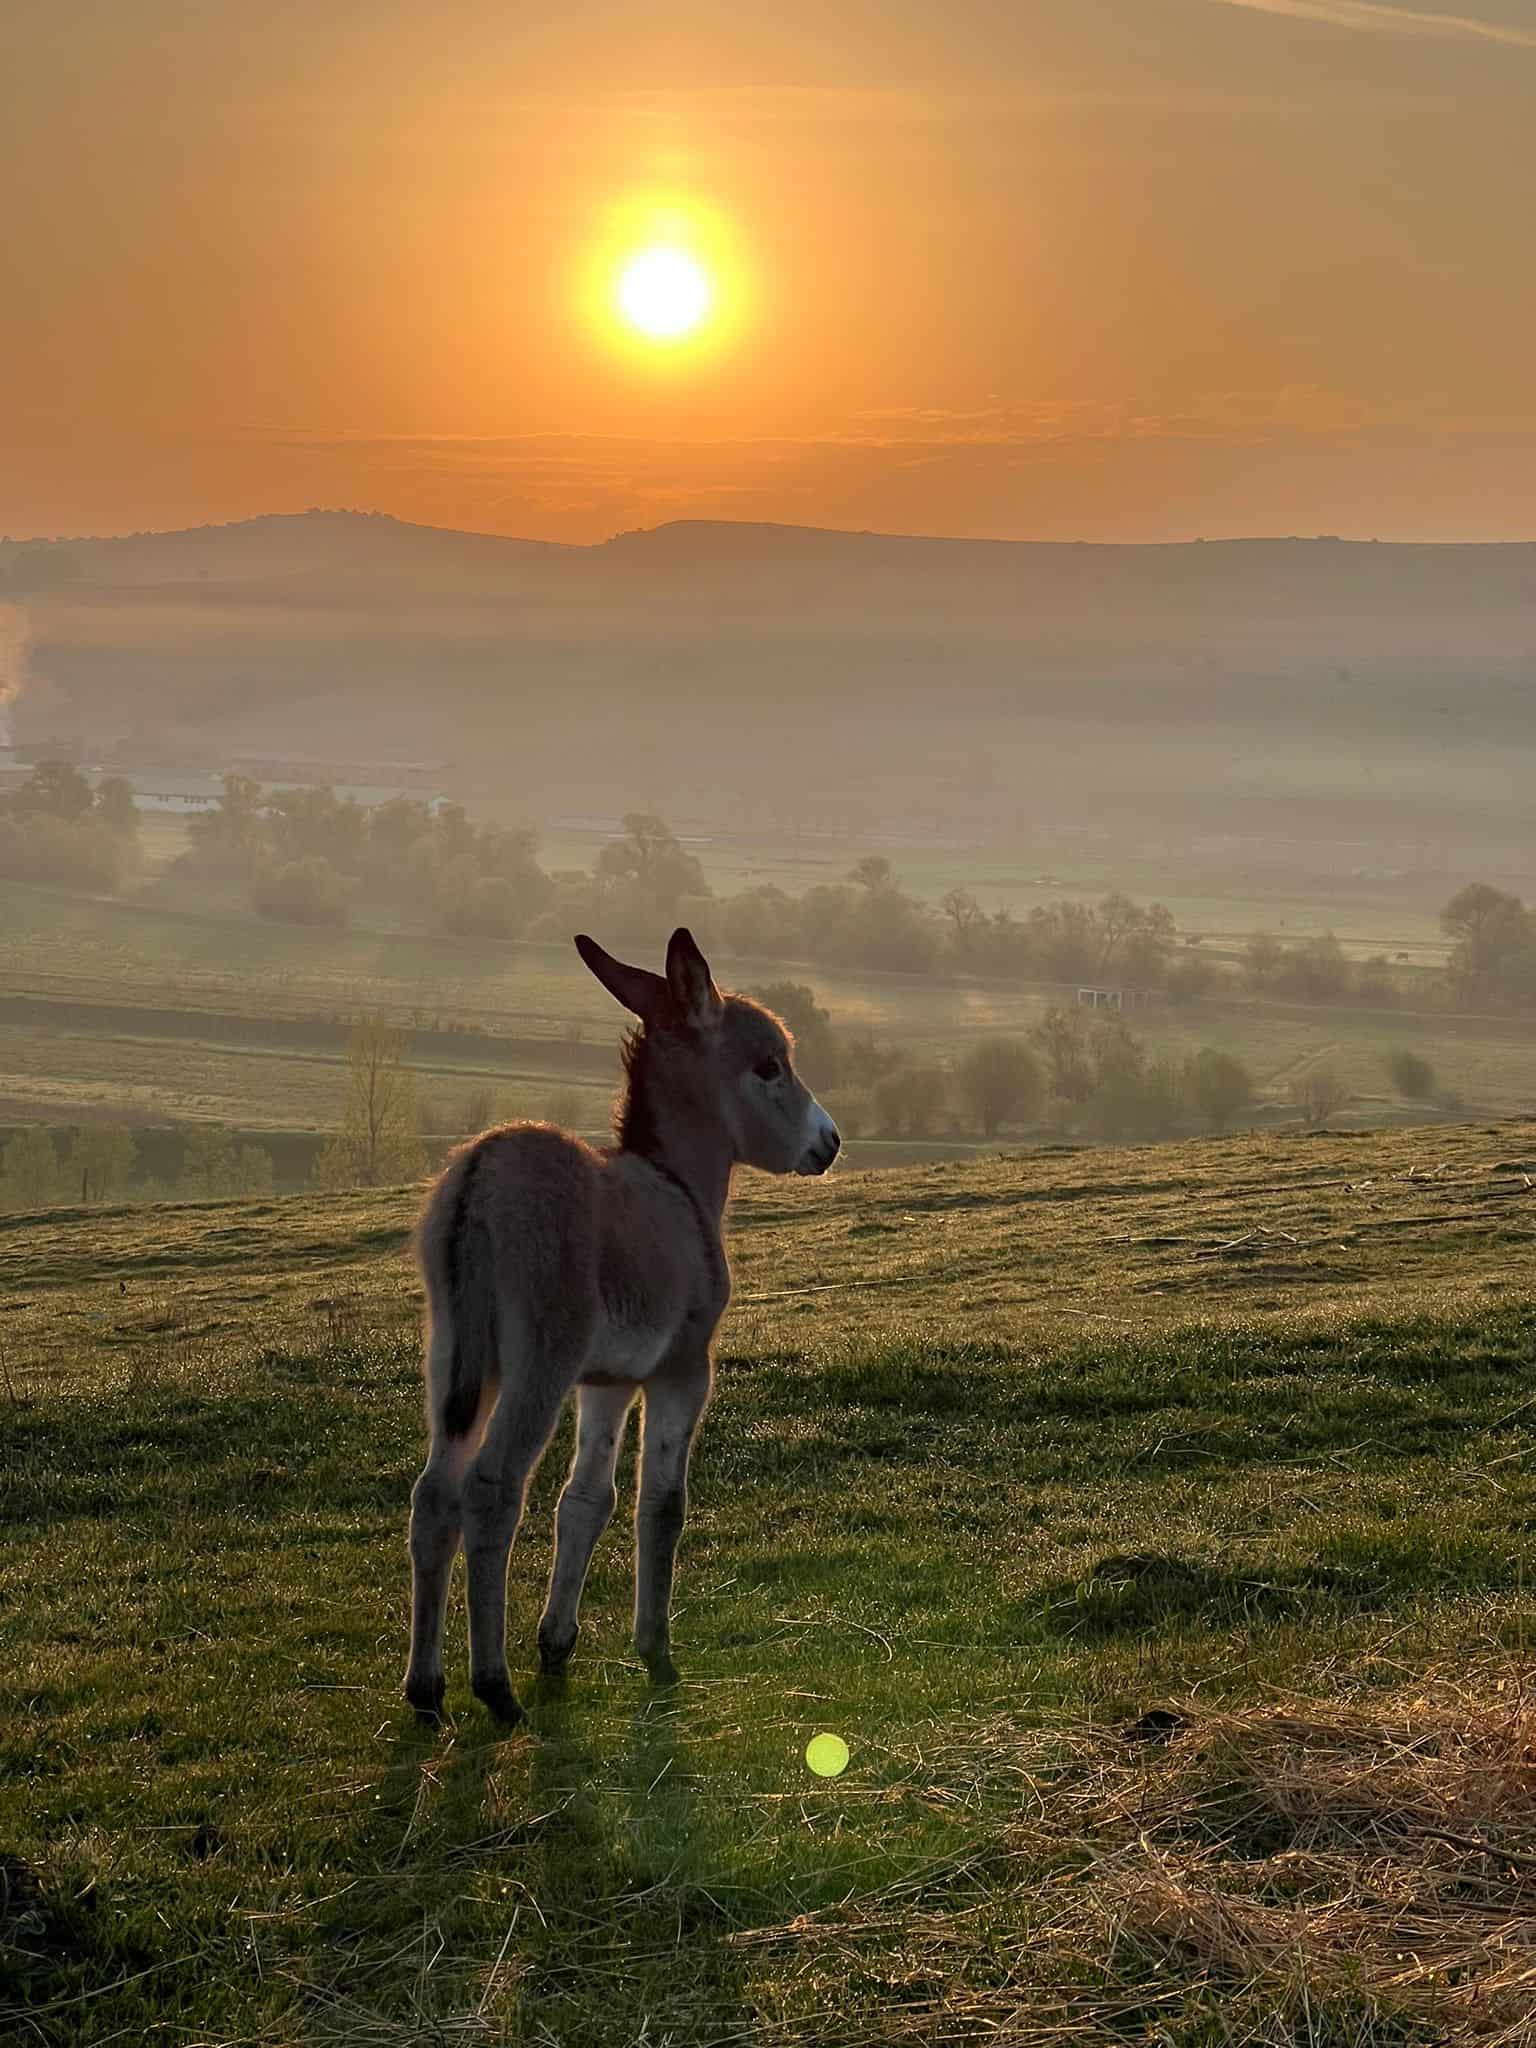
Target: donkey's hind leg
{"points": [[674, 1401], [494, 1490], [434, 1540], [586, 1506]]}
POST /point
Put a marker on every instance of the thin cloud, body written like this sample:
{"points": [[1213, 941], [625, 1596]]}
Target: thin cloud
{"points": [[1373, 17]]}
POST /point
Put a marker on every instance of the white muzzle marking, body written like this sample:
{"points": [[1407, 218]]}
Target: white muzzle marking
{"points": [[822, 1140]]}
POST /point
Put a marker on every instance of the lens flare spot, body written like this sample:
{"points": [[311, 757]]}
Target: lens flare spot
{"points": [[827, 1755]]}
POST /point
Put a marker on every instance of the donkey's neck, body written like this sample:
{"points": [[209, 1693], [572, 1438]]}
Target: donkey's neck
{"points": [[661, 1125], [701, 1167]]}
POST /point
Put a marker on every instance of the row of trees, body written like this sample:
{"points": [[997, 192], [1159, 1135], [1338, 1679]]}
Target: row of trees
{"points": [[1317, 970], [58, 829], [98, 1163], [1075, 1071], [308, 854]]}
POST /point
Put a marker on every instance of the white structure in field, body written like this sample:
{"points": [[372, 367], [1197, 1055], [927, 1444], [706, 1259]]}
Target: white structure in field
{"points": [[1116, 998]]}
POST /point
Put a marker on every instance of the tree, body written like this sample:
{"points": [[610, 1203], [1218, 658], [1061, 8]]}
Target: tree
{"points": [[1000, 1082], [29, 1170], [207, 1162], [967, 920], [1494, 943], [763, 923], [233, 834], [1319, 1093], [1318, 971], [1130, 1098], [213, 1166], [101, 1159], [873, 873], [377, 1144], [1062, 1038], [116, 808], [1411, 1074], [1218, 1085], [657, 868], [54, 789], [1263, 957]]}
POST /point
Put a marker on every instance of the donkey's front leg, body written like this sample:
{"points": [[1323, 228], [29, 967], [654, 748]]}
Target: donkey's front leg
{"points": [[674, 1402]]}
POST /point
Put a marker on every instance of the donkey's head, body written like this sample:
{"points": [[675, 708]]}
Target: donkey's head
{"points": [[701, 1058]]}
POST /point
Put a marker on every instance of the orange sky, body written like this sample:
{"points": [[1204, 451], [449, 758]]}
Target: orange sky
{"points": [[1112, 269]]}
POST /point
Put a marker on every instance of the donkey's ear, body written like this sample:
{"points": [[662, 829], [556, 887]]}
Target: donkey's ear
{"points": [[635, 987], [690, 981]]}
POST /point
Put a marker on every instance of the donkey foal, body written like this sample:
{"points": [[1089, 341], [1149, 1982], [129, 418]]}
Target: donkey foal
{"points": [[551, 1266]]}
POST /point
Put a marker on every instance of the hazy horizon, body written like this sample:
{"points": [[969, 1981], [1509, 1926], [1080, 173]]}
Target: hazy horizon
{"points": [[813, 526]]}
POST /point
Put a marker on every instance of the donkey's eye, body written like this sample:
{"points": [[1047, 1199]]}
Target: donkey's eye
{"points": [[768, 1070]]}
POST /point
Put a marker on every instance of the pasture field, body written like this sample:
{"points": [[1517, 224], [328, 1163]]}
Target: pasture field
{"points": [[1158, 1529], [95, 956]]}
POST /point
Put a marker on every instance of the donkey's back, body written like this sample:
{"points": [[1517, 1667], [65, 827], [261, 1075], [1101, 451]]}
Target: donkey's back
{"points": [[543, 1256]]}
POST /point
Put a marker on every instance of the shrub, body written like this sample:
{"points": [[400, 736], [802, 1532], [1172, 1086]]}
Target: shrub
{"points": [[490, 908], [1000, 1082], [78, 853], [1410, 1074], [1319, 1093], [1218, 1085], [911, 1100], [304, 891]]}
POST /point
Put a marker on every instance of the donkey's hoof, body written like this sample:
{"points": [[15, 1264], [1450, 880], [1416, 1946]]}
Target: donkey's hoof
{"points": [[425, 1695], [555, 1652], [663, 1673], [496, 1693]]}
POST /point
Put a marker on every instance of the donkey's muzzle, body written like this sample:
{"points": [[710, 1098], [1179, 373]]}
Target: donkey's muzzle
{"points": [[821, 1155], [822, 1143]]}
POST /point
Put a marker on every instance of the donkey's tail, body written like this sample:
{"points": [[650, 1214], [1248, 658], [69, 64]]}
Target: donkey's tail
{"points": [[458, 1266]]}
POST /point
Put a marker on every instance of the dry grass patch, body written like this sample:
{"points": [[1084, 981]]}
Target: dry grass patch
{"points": [[1360, 1872]]}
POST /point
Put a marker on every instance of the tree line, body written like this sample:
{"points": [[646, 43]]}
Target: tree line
{"points": [[309, 856], [58, 829], [42, 1168]]}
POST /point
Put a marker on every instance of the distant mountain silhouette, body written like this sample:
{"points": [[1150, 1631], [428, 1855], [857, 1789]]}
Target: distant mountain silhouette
{"points": [[720, 668]]}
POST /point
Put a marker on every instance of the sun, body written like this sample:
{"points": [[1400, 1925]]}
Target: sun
{"points": [[663, 285], [664, 292]]}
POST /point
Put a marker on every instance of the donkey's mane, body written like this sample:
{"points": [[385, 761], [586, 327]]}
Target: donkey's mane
{"points": [[634, 1114]]}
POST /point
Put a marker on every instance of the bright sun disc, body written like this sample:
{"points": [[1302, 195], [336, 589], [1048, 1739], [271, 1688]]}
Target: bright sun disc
{"points": [[663, 292]]}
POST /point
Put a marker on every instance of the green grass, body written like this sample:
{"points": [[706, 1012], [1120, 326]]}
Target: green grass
{"points": [[1001, 1454]]}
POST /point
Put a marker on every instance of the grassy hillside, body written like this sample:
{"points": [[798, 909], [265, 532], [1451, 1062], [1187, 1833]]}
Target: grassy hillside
{"points": [[1156, 1527]]}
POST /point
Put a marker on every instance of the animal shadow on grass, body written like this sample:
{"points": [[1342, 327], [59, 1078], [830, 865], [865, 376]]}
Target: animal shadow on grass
{"points": [[531, 1879], [628, 1934]]}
